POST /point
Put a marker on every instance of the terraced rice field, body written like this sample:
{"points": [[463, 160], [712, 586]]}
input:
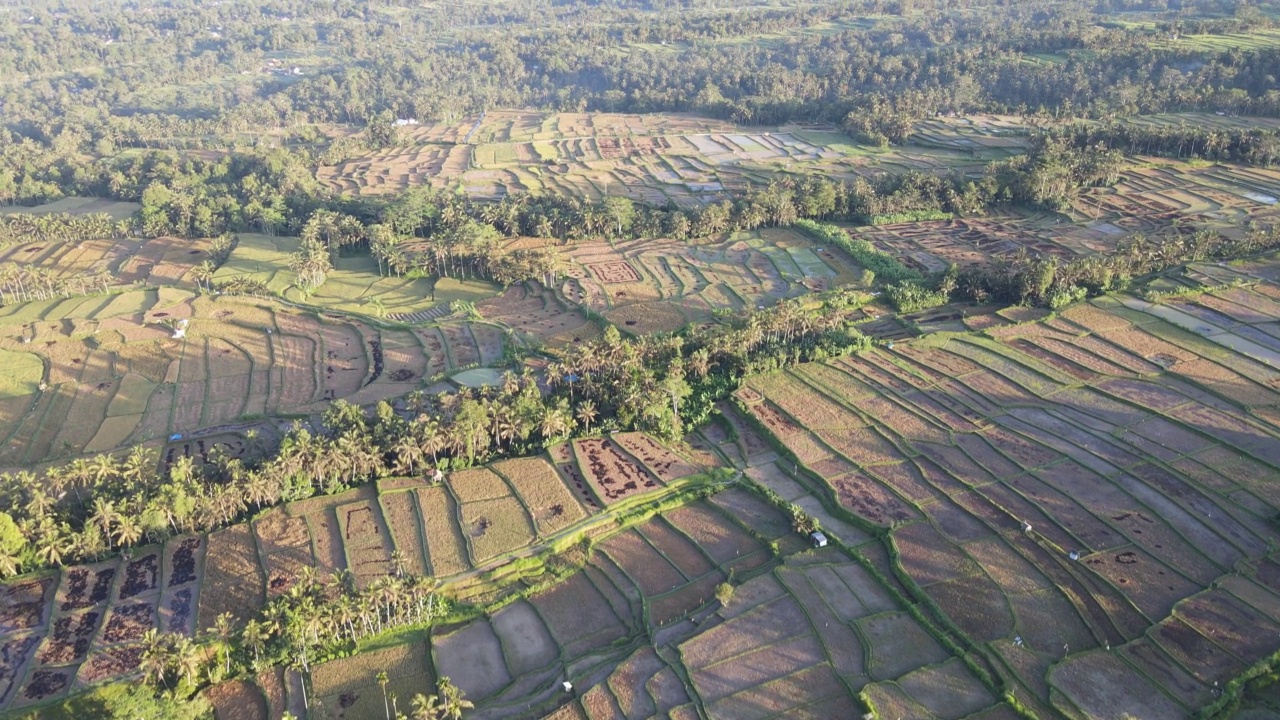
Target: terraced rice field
{"points": [[1088, 500], [115, 375], [649, 158], [804, 634], [64, 632], [660, 285], [154, 262]]}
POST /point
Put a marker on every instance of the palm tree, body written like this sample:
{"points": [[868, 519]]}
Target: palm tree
{"points": [[186, 657], [104, 515], [128, 530], [255, 636], [382, 683], [202, 274], [451, 700], [224, 630], [408, 454], [155, 657], [54, 546], [446, 704], [586, 414]]}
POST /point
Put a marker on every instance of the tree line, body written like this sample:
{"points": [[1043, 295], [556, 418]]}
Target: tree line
{"points": [[93, 79], [315, 619], [1053, 283], [1248, 146]]}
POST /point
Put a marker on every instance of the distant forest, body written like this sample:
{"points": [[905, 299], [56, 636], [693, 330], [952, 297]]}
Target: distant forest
{"points": [[96, 77]]}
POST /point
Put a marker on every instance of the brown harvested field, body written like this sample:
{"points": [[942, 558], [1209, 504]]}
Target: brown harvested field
{"points": [[718, 536], [612, 474], [70, 637], [763, 625], [348, 687], [743, 672], [842, 645], [774, 420], [278, 532], [1149, 584], [612, 273], [271, 682], [927, 557], [86, 586], [889, 700], [401, 513], [526, 643], [494, 527], [1100, 685], [184, 558], [659, 459], [864, 446], [477, 484], [284, 544], [976, 605], [752, 511], [233, 581], [651, 572], [327, 540], [111, 663], [577, 615], [949, 690], [24, 605], [803, 404], [542, 491], [237, 700], [783, 695], [140, 575], [868, 499], [675, 547], [627, 682], [1147, 657], [897, 645], [683, 601], [472, 658], [1231, 624], [600, 704], [128, 622], [446, 548]]}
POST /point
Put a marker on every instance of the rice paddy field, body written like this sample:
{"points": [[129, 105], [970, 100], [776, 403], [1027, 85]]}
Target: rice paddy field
{"points": [[91, 374], [1088, 500], [646, 286], [655, 159], [64, 632], [1071, 515], [118, 210], [154, 262]]}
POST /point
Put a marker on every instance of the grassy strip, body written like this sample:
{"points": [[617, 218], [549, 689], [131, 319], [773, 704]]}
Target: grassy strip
{"points": [[884, 265], [1233, 693], [906, 217]]}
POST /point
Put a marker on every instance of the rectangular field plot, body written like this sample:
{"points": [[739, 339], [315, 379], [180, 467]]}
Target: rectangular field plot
{"points": [[613, 475], [543, 493], [351, 684]]}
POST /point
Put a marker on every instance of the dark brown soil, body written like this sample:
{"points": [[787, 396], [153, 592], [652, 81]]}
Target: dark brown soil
{"points": [[129, 622], [184, 562], [46, 683], [70, 639], [180, 610], [140, 576]]}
